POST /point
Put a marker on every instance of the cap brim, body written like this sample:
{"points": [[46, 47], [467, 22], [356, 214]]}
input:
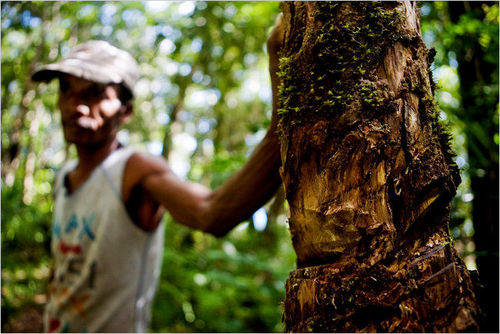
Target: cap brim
{"points": [[45, 74], [51, 71]]}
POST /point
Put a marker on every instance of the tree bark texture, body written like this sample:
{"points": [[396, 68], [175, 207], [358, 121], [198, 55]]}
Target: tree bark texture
{"points": [[368, 174]]}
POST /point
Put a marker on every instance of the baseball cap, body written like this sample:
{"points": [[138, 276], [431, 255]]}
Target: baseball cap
{"points": [[96, 61]]}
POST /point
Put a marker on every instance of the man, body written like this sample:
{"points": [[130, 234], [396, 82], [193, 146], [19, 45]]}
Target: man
{"points": [[107, 237]]}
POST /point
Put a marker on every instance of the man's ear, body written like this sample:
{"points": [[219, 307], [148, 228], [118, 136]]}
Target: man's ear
{"points": [[127, 110]]}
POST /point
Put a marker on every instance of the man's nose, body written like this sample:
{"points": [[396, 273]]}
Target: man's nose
{"points": [[82, 109]]}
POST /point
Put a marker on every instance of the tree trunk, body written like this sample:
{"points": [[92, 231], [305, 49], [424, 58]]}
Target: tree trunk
{"points": [[167, 137], [478, 111], [368, 175]]}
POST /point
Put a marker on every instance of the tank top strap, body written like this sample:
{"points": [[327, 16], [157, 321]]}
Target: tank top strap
{"points": [[113, 168], [61, 174]]}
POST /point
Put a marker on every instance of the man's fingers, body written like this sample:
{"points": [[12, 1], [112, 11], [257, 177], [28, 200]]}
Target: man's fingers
{"points": [[279, 20], [275, 39]]}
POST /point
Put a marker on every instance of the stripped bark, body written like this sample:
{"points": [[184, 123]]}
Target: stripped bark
{"points": [[368, 175]]}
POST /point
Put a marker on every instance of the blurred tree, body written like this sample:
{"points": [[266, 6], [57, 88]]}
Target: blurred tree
{"points": [[368, 174], [476, 47], [465, 35]]}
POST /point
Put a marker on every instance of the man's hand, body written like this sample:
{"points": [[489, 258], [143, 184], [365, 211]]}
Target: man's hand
{"points": [[274, 43]]}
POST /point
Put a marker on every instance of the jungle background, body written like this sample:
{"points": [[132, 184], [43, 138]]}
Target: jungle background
{"points": [[204, 101]]}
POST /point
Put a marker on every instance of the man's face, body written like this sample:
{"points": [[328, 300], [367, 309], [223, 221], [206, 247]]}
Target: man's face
{"points": [[91, 113]]}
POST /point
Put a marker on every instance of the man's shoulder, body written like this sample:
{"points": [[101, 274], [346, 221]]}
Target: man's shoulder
{"points": [[140, 166], [143, 164]]}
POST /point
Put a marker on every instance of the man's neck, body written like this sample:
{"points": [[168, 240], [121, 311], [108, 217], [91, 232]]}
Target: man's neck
{"points": [[91, 156]]}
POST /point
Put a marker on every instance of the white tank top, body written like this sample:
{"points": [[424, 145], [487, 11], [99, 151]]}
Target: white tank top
{"points": [[106, 268]]}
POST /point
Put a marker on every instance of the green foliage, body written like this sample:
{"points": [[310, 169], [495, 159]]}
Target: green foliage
{"points": [[474, 129], [204, 91], [226, 285]]}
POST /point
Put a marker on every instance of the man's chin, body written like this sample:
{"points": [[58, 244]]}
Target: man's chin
{"points": [[81, 138]]}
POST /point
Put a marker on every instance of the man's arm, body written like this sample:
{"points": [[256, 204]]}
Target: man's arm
{"points": [[257, 181], [251, 187]]}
